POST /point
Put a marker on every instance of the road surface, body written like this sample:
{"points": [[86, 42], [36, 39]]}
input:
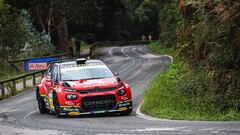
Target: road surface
{"points": [[137, 66]]}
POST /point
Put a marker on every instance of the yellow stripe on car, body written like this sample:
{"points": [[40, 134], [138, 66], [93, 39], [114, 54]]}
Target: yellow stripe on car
{"points": [[74, 113], [122, 108]]}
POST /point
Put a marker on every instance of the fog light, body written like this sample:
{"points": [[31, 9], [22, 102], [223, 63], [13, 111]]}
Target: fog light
{"points": [[71, 97], [121, 92]]}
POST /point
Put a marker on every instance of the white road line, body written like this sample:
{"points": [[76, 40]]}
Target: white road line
{"points": [[110, 51], [112, 134], [134, 61], [144, 116], [169, 57], [122, 50], [164, 129], [29, 114]]}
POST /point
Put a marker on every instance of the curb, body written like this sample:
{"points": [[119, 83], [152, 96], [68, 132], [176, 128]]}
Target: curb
{"points": [[150, 118], [144, 116], [170, 57]]}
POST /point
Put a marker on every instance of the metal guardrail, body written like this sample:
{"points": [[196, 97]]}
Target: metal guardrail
{"points": [[14, 79], [33, 74]]}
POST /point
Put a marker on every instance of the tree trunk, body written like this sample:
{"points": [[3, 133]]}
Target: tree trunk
{"points": [[63, 35], [39, 16], [50, 16]]}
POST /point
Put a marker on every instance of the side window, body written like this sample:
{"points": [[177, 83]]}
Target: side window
{"points": [[54, 74], [49, 70]]}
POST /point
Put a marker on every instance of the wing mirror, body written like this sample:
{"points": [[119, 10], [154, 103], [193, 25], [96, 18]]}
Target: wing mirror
{"points": [[116, 74], [48, 82]]}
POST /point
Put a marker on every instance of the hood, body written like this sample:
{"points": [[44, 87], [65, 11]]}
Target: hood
{"points": [[93, 83]]}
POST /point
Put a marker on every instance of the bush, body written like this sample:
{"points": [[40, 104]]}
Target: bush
{"points": [[186, 92]]}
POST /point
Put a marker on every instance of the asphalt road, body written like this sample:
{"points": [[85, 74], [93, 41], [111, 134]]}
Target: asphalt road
{"points": [[137, 66]]}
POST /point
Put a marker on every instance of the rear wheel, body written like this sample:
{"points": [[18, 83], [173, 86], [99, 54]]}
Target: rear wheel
{"points": [[125, 113], [41, 104], [56, 105]]}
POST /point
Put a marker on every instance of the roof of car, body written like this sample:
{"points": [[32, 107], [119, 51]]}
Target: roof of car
{"points": [[69, 62]]}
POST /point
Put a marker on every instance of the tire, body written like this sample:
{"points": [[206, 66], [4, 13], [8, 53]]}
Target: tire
{"points": [[56, 105], [41, 104], [126, 113]]}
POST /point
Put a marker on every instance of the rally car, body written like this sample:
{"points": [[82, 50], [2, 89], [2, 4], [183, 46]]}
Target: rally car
{"points": [[81, 87]]}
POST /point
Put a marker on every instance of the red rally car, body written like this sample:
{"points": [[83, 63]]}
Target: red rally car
{"points": [[83, 87]]}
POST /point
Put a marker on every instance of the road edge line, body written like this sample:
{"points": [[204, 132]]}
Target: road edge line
{"points": [[147, 117], [170, 57]]}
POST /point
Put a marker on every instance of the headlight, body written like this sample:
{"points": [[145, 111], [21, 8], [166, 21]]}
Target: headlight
{"points": [[121, 92], [69, 90], [71, 97]]}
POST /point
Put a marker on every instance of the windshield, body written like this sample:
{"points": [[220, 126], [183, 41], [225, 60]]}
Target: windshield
{"points": [[85, 72]]}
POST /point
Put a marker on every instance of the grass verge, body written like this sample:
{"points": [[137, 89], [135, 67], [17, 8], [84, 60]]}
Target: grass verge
{"points": [[182, 93]]}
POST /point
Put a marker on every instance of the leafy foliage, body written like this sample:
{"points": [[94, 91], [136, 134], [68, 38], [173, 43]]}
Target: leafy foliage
{"points": [[37, 44], [206, 34], [12, 34], [185, 93], [214, 47], [19, 38]]}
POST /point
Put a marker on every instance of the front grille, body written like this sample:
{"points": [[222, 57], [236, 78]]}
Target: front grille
{"points": [[98, 103]]}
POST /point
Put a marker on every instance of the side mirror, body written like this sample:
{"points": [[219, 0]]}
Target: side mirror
{"points": [[116, 74], [48, 82]]}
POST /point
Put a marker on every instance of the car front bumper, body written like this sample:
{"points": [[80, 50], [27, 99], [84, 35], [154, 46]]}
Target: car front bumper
{"points": [[78, 110]]}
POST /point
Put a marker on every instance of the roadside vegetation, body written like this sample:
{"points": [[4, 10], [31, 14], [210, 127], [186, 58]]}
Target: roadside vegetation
{"points": [[203, 82], [183, 93]]}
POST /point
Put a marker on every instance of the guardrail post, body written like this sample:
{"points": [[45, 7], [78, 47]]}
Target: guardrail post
{"points": [[24, 83], [2, 89], [13, 91], [34, 79]]}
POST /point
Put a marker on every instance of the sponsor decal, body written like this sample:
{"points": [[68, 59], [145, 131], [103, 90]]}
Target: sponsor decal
{"points": [[98, 102], [99, 82], [73, 113], [124, 104], [122, 109], [71, 109], [37, 66], [97, 112]]}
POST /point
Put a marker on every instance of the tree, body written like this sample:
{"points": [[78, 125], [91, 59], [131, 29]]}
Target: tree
{"points": [[10, 24], [147, 18]]}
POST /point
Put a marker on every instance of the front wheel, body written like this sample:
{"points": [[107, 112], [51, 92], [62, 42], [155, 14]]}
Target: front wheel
{"points": [[125, 113], [56, 106], [41, 104]]}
